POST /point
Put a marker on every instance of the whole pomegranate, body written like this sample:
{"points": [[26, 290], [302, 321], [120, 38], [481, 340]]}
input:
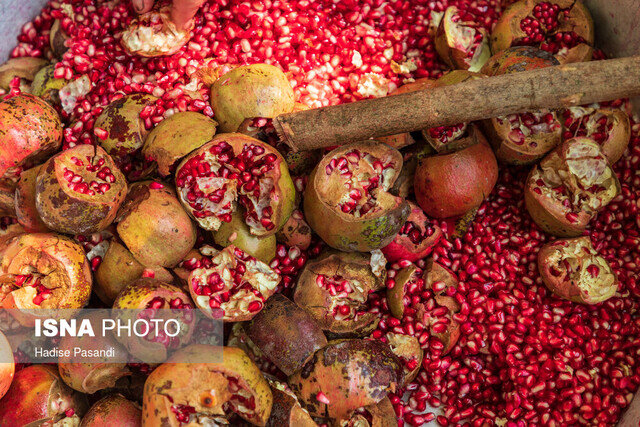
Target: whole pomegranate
{"points": [[448, 185], [30, 131], [113, 410]]}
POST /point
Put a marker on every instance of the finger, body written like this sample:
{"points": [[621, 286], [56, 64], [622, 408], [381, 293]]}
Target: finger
{"points": [[183, 11], [142, 6]]}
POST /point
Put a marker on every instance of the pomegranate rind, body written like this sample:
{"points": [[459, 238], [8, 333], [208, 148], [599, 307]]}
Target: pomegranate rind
{"points": [[257, 90], [65, 210], [345, 231], [7, 369], [25, 202], [406, 347], [578, 285], [507, 30], [295, 232], [452, 43], [237, 233], [30, 131], [286, 334], [191, 383], [151, 217], [286, 410], [516, 59], [381, 414], [24, 68], [350, 373], [57, 39], [177, 136], [395, 295], [154, 34], [46, 86], [112, 410]]}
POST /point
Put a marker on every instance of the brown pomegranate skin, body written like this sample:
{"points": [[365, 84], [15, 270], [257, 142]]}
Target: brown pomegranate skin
{"points": [[257, 90], [205, 387], [452, 184], [517, 59], [25, 202], [326, 190], [151, 216], [113, 410], [7, 197], [85, 207], [30, 131], [38, 394], [286, 334], [296, 231], [7, 369], [286, 410], [350, 373], [57, 39], [407, 349]]}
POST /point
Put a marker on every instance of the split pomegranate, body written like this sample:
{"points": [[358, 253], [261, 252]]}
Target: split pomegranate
{"points": [[79, 190], [568, 188], [154, 34], [381, 414], [235, 282], [561, 27], [25, 201], [237, 233], [407, 349], [205, 393], [347, 200], [334, 289], [296, 231], [236, 167], [572, 269], [111, 410], [286, 410], [461, 41]]}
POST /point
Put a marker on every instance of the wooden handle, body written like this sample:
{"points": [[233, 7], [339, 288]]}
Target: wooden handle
{"points": [[553, 87]]}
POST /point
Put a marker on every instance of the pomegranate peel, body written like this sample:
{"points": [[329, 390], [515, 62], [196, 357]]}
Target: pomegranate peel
{"points": [[113, 409], [154, 34], [25, 201], [461, 42], [286, 410]]}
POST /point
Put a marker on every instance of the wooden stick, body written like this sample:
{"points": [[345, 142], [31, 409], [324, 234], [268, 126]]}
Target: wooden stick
{"points": [[553, 87]]}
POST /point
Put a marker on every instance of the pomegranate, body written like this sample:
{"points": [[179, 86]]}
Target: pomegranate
{"points": [[24, 69], [79, 190], [296, 231], [7, 198], [286, 410], [407, 349], [30, 131], [448, 185], [416, 238], [205, 393], [573, 270], [121, 131], [461, 41], [150, 217], [237, 233], [250, 91], [7, 369], [236, 167], [608, 127], [58, 39], [334, 289], [38, 395], [286, 334], [175, 137], [148, 295], [569, 187], [193, 260], [154, 34], [381, 414], [347, 201], [46, 86], [346, 375], [235, 282], [25, 201], [238, 338], [43, 270], [111, 410], [561, 27]]}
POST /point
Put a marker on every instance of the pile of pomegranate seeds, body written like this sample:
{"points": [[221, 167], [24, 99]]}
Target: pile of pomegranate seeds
{"points": [[524, 356]]}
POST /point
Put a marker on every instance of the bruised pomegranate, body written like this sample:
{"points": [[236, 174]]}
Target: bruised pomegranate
{"points": [[44, 270], [184, 393], [569, 187], [7, 369], [561, 27], [346, 375], [461, 42], [286, 334], [113, 410], [608, 127], [235, 167], [573, 270], [448, 185], [79, 190], [416, 238], [150, 218], [235, 282], [347, 201], [250, 91], [30, 131], [175, 137], [154, 34], [38, 395], [237, 233], [334, 289], [286, 410], [25, 201]]}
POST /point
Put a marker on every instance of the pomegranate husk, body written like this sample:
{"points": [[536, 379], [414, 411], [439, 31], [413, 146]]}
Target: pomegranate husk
{"points": [[286, 334], [57, 39], [286, 410], [448, 185], [453, 48], [7, 369], [112, 410], [154, 34], [7, 197], [66, 210], [30, 131], [350, 373], [578, 284], [344, 231], [46, 86], [25, 202], [407, 348], [257, 90], [296, 231], [237, 233], [204, 386], [24, 68], [516, 59], [395, 295], [381, 414]]}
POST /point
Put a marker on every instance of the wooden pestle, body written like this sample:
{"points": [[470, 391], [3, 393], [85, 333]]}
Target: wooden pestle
{"points": [[553, 87]]}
